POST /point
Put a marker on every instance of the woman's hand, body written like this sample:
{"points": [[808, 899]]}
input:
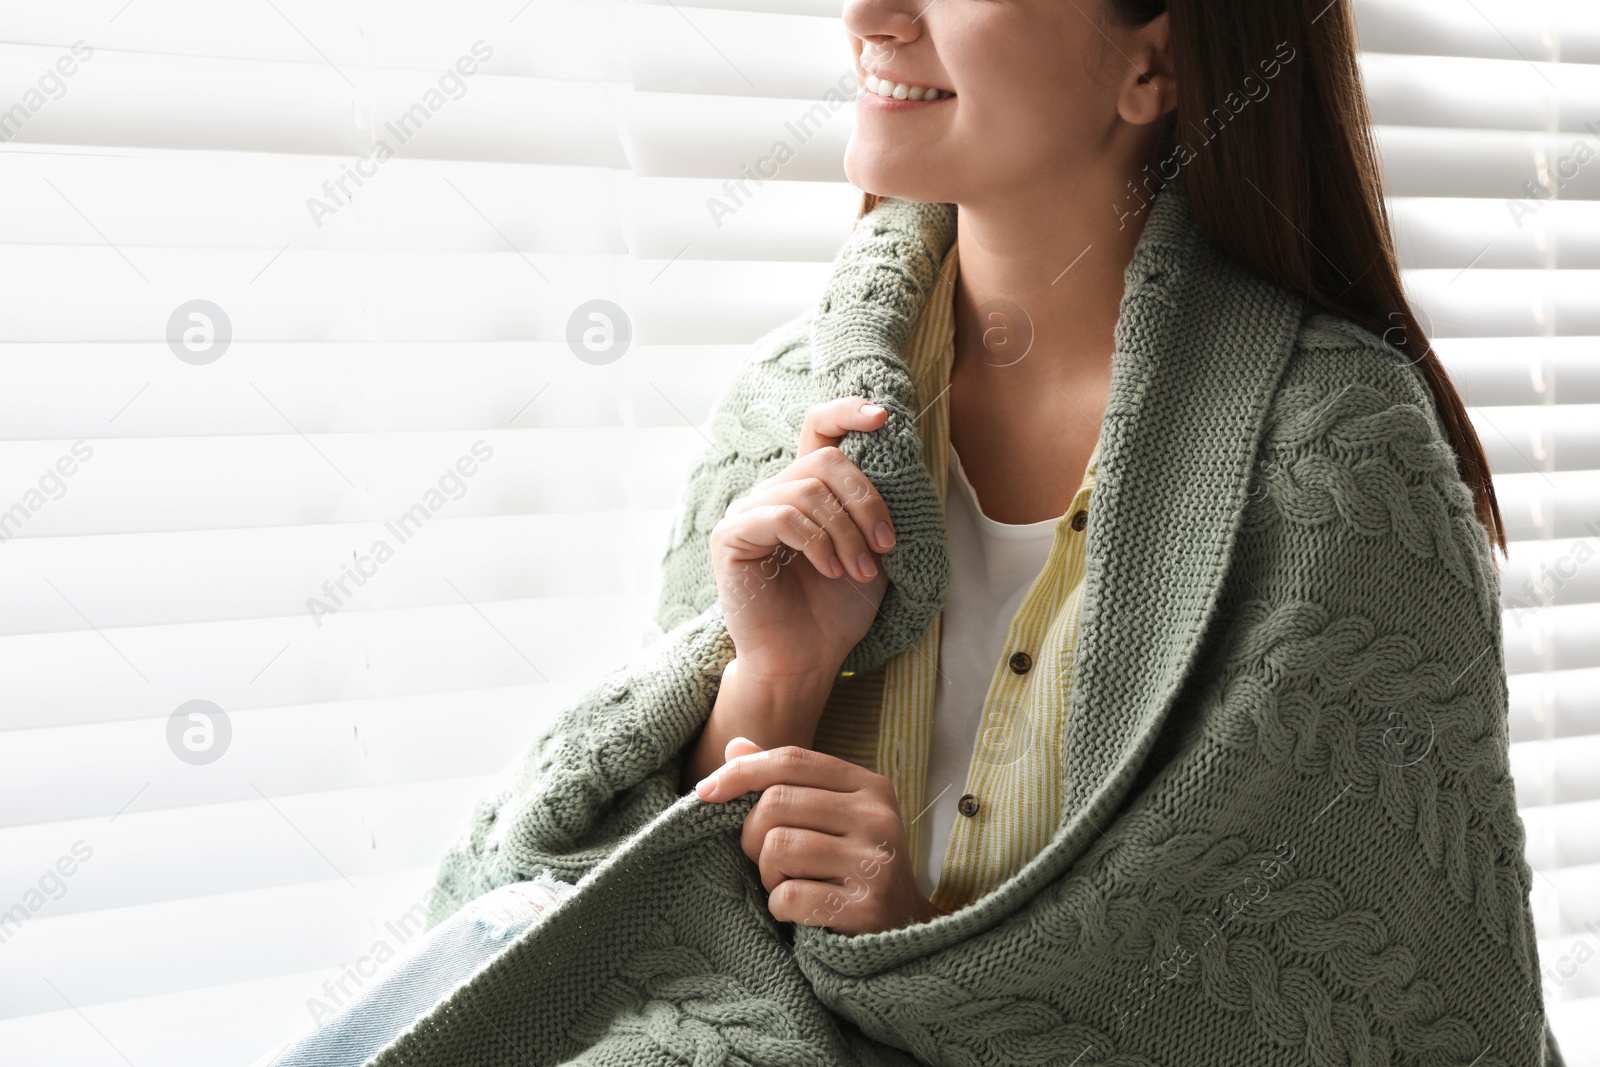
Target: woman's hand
{"points": [[793, 607], [796, 560], [827, 836]]}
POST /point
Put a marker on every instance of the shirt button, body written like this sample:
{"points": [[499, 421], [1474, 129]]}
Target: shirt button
{"points": [[967, 805], [1080, 519], [1020, 662]]}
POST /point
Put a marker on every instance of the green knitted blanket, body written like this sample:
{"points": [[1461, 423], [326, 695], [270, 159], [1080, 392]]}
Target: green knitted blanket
{"points": [[1289, 834]]}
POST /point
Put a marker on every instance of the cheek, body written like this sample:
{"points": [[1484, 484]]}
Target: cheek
{"points": [[1037, 102], [1027, 105], [1024, 129]]}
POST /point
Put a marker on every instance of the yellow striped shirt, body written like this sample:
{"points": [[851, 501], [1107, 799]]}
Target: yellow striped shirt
{"points": [[882, 719]]}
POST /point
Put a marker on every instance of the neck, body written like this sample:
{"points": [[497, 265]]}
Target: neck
{"points": [[1056, 253]]}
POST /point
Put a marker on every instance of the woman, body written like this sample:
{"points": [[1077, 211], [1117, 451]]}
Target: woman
{"points": [[1144, 550]]}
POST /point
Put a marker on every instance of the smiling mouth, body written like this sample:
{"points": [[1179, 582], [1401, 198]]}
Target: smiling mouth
{"points": [[902, 90]]}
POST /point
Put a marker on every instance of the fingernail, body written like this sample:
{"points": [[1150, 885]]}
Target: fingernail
{"points": [[706, 786], [884, 535], [870, 409], [835, 566], [868, 568]]}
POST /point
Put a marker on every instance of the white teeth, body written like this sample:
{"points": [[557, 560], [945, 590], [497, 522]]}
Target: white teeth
{"points": [[901, 90]]}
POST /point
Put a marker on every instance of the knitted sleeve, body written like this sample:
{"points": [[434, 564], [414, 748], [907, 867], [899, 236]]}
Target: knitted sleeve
{"points": [[1326, 853], [610, 762]]}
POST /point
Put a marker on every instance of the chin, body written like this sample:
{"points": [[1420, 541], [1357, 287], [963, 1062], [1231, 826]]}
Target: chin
{"points": [[872, 172]]}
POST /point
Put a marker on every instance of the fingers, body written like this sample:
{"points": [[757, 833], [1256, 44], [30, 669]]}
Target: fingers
{"points": [[830, 499], [826, 424], [824, 427], [822, 849], [842, 503], [790, 765], [821, 505], [854, 895], [822, 811], [796, 852], [809, 903], [751, 534]]}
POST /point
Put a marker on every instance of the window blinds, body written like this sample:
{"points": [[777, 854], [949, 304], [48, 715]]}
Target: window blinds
{"points": [[297, 464]]}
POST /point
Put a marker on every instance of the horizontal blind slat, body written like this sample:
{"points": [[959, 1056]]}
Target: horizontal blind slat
{"points": [[1471, 93], [567, 39], [1550, 704], [1525, 438], [1491, 164], [1496, 371], [1564, 637], [241, 200], [1518, 233], [175, 199], [141, 485], [118, 953], [1497, 29], [1558, 504], [226, 1023], [84, 676], [88, 293], [147, 856], [1563, 771], [177, 578], [108, 391], [128, 100], [1485, 302]]}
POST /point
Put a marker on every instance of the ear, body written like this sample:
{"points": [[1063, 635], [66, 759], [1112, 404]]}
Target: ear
{"points": [[1151, 87]]}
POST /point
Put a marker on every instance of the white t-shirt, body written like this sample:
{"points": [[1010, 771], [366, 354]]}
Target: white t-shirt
{"points": [[992, 565]]}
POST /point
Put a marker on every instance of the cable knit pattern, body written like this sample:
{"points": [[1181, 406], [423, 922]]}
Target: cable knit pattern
{"points": [[1289, 832], [1321, 695], [1360, 459]]}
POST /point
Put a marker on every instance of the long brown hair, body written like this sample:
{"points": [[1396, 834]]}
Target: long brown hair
{"points": [[1318, 227]]}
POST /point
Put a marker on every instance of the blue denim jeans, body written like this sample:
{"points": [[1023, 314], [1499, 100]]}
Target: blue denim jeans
{"points": [[422, 974]]}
